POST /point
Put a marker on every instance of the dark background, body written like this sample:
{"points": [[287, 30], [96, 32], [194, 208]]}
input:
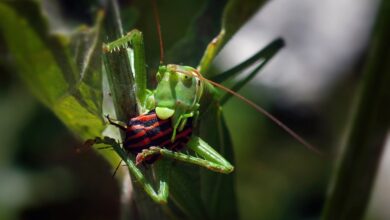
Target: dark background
{"points": [[42, 175]]}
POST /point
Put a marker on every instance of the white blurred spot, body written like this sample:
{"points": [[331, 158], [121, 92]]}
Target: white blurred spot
{"points": [[323, 40], [380, 198]]}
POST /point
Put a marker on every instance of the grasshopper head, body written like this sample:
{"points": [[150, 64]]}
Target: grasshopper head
{"points": [[178, 91]]}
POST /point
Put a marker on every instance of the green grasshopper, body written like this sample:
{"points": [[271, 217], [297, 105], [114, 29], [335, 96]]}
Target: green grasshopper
{"points": [[181, 97], [177, 97]]}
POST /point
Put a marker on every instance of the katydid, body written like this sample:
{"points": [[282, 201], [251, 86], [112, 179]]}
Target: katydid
{"points": [[171, 112]]}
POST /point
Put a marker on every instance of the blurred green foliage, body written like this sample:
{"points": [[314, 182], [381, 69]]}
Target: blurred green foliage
{"points": [[42, 176]]}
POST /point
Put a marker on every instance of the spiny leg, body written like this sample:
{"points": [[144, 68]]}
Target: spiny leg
{"points": [[211, 159], [133, 39], [161, 196]]}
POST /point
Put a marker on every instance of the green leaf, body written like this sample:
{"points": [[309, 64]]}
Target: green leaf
{"points": [[235, 14], [72, 90], [369, 127], [71, 87], [201, 31], [35, 61], [218, 190], [185, 191]]}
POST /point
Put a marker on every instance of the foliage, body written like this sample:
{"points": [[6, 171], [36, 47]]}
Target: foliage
{"points": [[369, 127], [61, 64], [64, 71]]}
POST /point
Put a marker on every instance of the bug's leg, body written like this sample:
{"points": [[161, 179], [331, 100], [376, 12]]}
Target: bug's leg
{"points": [[210, 158], [134, 40], [161, 196]]}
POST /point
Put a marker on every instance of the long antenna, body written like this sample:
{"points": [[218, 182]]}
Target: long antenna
{"points": [[157, 19], [263, 111]]}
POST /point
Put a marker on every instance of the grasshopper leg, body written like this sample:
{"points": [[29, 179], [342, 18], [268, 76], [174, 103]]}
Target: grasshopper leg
{"points": [[161, 196], [180, 123], [210, 158], [133, 40]]}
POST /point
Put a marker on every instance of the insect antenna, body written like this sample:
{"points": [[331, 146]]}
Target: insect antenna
{"points": [[261, 110], [157, 20], [123, 128]]}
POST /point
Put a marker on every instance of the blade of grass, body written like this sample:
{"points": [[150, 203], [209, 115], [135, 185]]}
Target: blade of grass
{"points": [[235, 15], [362, 151]]}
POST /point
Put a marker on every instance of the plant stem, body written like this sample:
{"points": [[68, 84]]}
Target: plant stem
{"points": [[118, 68], [121, 82], [362, 150]]}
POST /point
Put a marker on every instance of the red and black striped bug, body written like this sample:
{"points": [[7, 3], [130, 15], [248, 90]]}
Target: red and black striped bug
{"points": [[147, 130]]}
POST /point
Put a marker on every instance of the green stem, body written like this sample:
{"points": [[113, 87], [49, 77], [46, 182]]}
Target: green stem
{"points": [[121, 82], [118, 70], [353, 182]]}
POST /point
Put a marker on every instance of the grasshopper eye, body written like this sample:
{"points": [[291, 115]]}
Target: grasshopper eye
{"points": [[186, 80]]}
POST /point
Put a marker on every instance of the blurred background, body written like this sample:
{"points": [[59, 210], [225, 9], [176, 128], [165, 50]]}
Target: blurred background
{"points": [[309, 85]]}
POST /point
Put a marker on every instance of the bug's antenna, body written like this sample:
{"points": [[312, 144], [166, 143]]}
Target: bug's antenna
{"points": [[123, 128], [263, 111], [157, 19]]}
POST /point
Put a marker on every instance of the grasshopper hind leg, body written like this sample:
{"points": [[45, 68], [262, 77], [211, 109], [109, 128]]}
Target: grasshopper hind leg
{"points": [[209, 158]]}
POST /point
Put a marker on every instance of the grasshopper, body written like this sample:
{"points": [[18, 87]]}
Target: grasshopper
{"points": [[172, 111]]}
